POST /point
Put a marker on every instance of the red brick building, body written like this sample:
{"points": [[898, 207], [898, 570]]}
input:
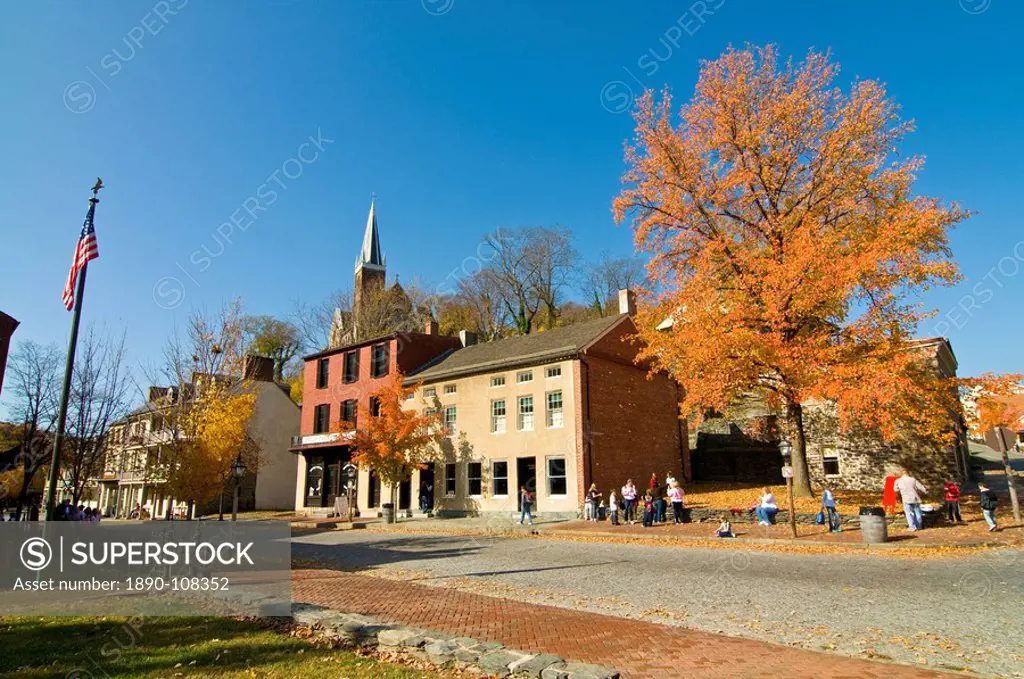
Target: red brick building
{"points": [[337, 387]]}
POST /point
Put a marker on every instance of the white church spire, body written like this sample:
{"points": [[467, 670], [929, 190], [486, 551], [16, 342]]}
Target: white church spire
{"points": [[370, 256]]}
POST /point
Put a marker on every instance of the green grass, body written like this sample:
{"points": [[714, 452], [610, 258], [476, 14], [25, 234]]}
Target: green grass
{"points": [[127, 648]]}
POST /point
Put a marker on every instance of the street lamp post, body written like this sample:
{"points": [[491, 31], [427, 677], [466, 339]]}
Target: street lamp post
{"points": [[786, 450], [237, 471]]}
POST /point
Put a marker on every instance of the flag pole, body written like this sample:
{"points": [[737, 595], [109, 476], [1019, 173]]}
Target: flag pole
{"points": [[69, 367]]}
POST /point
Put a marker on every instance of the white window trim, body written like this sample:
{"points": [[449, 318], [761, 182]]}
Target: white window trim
{"points": [[506, 477], [444, 479], [522, 373], [519, 413], [494, 431], [834, 455], [547, 410], [548, 477], [453, 387], [497, 386], [481, 463], [552, 367]]}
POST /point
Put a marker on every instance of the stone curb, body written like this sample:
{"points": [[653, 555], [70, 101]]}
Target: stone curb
{"points": [[440, 649]]}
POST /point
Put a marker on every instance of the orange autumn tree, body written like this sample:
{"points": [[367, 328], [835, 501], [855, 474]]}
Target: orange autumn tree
{"points": [[395, 441], [787, 245]]}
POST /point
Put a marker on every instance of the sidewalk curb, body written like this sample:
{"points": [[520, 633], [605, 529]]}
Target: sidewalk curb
{"points": [[555, 533], [438, 648]]}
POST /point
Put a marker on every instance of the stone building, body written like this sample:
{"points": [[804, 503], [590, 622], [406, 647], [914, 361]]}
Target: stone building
{"points": [[742, 445]]}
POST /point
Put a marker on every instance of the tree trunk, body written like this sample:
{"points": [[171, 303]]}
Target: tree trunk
{"points": [[801, 475], [1011, 484]]}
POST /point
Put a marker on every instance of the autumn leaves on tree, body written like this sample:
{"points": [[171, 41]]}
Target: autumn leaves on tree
{"points": [[393, 441], [787, 246]]}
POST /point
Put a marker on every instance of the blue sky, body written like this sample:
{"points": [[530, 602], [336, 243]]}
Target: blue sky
{"points": [[462, 115]]}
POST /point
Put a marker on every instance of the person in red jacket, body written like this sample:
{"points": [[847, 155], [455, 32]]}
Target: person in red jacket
{"points": [[952, 494]]}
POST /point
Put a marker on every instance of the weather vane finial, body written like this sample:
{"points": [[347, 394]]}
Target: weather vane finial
{"points": [[97, 186]]}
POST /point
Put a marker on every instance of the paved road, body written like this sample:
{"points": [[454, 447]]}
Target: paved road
{"points": [[949, 614]]}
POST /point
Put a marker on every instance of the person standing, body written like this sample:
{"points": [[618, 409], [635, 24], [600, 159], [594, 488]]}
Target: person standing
{"points": [[658, 494], [910, 490], [593, 501], [526, 500], [648, 510], [988, 506], [613, 506], [629, 498], [675, 493], [951, 491], [828, 505]]}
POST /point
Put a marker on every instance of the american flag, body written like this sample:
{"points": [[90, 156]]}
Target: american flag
{"points": [[85, 250]]}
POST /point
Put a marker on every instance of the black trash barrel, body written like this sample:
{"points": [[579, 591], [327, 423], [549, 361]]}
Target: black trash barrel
{"points": [[873, 528]]}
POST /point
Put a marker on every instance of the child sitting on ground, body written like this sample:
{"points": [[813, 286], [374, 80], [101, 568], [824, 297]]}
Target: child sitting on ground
{"points": [[724, 530]]}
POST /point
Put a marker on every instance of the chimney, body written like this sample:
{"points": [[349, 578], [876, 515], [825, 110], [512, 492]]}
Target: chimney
{"points": [[432, 327], [259, 368], [467, 338], [627, 302], [156, 393]]}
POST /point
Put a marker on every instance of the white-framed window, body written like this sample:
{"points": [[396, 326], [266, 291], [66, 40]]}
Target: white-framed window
{"points": [[475, 479], [449, 479], [557, 484], [830, 462], [552, 371], [498, 416], [450, 418], [450, 388], [498, 381], [499, 478], [525, 420], [429, 392], [524, 376], [554, 411]]}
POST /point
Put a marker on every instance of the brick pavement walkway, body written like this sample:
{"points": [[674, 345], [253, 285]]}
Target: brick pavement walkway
{"points": [[638, 649]]}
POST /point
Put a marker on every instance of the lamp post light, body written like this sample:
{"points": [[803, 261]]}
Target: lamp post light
{"points": [[237, 472], [786, 450]]}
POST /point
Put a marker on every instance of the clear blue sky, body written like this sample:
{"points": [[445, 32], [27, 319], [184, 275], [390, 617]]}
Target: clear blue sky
{"points": [[462, 115]]}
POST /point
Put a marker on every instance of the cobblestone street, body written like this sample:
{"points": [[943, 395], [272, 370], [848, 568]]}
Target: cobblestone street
{"points": [[935, 614]]}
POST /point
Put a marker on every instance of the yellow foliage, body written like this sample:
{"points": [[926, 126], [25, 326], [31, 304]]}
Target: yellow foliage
{"points": [[214, 433]]}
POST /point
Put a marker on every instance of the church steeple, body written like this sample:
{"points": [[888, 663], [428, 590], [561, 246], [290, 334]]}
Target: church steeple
{"points": [[370, 256]]}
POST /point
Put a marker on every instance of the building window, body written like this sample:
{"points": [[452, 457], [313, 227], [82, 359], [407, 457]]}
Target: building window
{"points": [[450, 388], [830, 462], [499, 477], [553, 371], [381, 360], [498, 416], [498, 381], [450, 416], [321, 418], [554, 412], [556, 476], [322, 372], [525, 413], [524, 376], [449, 480], [374, 406], [350, 412], [351, 371], [474, 475], [429, 392]]}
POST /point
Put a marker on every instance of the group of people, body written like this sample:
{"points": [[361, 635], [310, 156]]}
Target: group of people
{"points": [[910, 491], [651, 507], [66, 511]]}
